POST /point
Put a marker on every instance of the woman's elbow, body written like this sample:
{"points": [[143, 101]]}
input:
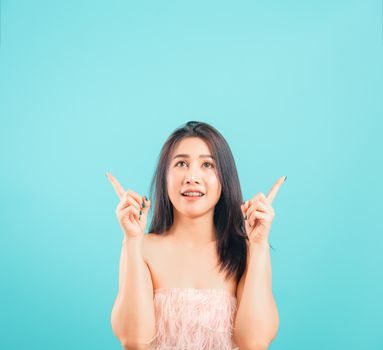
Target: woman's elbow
{"points": [[134, 346]]}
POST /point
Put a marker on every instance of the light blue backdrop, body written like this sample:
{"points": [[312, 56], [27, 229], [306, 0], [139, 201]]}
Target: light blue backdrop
{"points": [[90, 86]]}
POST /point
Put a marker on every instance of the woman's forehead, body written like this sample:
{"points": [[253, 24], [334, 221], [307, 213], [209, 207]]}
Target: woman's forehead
{"points": [[193, 147]]}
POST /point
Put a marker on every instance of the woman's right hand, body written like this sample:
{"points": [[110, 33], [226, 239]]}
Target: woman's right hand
{"points": [[128, 210]]}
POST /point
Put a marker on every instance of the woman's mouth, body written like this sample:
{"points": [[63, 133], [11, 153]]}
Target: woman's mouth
{"points": [[192, 195]]}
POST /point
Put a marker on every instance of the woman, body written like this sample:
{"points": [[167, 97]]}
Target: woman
{"points": [[182, 285]]}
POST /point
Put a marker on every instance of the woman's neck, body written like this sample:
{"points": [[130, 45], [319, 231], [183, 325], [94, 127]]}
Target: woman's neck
{"points": [[194, 231]]}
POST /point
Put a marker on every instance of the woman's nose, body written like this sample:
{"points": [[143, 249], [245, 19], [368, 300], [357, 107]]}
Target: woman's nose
{"points": [[192, 175]]}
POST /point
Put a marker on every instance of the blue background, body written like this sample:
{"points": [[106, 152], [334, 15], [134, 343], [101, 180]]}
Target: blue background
{"points": [[88, 87]]}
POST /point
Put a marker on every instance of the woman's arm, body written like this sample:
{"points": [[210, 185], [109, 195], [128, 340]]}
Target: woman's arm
{"points": [[257, 318], [133, 317]]}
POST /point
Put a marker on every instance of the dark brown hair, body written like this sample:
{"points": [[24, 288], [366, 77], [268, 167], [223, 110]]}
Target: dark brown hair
{"points": [[228, 218]]}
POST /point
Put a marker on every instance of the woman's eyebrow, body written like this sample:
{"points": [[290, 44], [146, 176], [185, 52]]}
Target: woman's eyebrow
{"points": [[188, 156]]}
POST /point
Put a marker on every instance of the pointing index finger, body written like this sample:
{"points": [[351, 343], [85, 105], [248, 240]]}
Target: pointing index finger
{"points": [[116, 185], [274, 190]]}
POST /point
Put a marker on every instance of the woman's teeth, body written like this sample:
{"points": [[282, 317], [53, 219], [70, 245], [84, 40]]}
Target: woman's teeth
{"points": [[193, 194]]}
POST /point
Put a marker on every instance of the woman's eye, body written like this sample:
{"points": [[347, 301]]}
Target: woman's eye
{"points": [[211, 165]]}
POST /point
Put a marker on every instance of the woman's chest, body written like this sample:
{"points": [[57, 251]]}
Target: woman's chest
{"points": [[173, 265]]}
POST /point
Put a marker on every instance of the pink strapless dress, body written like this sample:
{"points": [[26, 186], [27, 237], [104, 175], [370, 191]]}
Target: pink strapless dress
{"points": [[194, 319]]}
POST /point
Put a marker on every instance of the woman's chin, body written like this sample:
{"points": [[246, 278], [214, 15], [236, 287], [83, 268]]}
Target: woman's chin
{"points": [[192, 212]]}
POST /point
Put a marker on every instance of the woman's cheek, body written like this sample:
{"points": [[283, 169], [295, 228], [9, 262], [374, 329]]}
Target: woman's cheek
{"points": [[215, 187]]}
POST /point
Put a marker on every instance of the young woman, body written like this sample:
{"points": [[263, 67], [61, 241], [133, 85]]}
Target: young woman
{"points": [[201, 277]]}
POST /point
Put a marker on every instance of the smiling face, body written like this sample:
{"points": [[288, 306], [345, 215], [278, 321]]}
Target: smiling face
{"points": [[191, 168]]}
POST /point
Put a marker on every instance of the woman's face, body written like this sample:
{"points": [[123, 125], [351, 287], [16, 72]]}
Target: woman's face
{"points": [[192, 168]]}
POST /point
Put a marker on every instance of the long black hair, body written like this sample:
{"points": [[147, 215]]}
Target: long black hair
{"points": [[228, 218]]}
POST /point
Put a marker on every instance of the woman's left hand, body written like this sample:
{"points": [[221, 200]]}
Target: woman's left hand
{"points": [[259, 214]]}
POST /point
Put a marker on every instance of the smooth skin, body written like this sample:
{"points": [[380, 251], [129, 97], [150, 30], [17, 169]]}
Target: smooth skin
{"points": [[259, 214], [131, 211], [191, 167]]}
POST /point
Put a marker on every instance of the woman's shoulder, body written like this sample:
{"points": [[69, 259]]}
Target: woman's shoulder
{"points": [[152, 238], [150, 244]]}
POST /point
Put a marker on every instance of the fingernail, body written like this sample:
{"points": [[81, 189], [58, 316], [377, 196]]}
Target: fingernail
{"points": [[245, 217], [285, 179], [146, 198], [140, 212], [143, 204]]}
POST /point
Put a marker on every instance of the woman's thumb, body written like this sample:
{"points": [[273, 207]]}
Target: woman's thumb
{"points": [[146, 205], [243, 208]]}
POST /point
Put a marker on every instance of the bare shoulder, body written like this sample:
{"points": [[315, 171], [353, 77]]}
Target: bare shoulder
{"points": [[149, 243], [151, 239]]}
